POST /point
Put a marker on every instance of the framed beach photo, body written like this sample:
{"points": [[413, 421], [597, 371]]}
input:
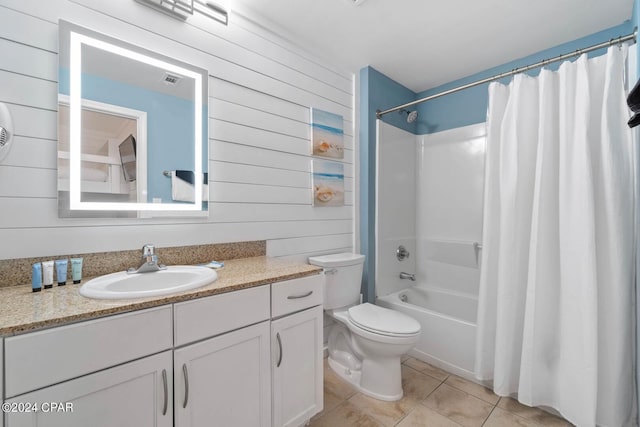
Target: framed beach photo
{"points": [[328, 183], [327, 134]]}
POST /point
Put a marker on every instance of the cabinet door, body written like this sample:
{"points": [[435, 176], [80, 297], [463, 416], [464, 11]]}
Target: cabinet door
{"points": [[297, 367], [225, 381], [134, 394]]}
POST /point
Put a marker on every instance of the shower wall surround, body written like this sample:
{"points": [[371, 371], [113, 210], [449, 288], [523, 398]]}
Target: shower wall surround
{"points": [[450, 185], [260, 88], [429, 199], [396, 200]]}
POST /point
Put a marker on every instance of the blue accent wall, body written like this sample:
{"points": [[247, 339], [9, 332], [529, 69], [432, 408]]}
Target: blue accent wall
{"points": [[377, 92], [469, 106]]}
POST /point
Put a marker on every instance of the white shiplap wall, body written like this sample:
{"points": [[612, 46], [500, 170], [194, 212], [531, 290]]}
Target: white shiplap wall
{"points": [[260, 90]]}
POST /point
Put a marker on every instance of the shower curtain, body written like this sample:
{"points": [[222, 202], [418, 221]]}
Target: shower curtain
{"points": [[555, 320]]}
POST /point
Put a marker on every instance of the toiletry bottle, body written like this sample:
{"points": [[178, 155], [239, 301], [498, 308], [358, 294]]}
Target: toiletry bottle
{"points": [[36, 277], [76, 270], [47, 274], [61, 271]]}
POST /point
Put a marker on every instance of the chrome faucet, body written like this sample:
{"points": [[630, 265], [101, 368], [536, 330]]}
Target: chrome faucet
{"points": [[149, 261], [411, 277]]}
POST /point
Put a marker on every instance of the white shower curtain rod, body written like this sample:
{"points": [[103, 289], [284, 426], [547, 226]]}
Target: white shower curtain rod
{"points": [[617, 40]]}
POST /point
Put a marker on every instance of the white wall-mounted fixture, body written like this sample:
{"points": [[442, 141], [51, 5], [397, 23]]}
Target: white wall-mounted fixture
{"points": [[212, 10], [355, 2], [182, 9], [78, 40], [6, 131]]}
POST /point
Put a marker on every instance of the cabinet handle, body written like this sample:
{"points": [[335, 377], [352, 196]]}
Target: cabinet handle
{"points": [[300, 296], [280, 348], [186, 385], [166, 392]]}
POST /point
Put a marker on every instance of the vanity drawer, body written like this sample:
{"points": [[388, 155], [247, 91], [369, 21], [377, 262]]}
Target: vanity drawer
{"points": [[206, 317], [39, 359], [295, 295]]}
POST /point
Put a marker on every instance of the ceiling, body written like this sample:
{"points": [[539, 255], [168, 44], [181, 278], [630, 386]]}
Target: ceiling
{"points": [[425, 43], [135, 72]]}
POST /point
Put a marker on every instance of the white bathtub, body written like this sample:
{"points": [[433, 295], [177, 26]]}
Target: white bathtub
{"points": [[448, 320]]}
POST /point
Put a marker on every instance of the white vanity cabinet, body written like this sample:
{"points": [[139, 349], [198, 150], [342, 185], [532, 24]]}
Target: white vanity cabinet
{"points": [[97, 373], [250, 358], [296, 337], [138, 393]]}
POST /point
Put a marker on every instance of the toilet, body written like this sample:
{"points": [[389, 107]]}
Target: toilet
{"points": [[366, 341]]}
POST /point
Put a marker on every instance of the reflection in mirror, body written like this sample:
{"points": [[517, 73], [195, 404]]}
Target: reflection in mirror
{"points": [[132, 130]]}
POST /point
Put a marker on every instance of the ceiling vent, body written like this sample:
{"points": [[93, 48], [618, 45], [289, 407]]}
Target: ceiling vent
{"points": [[171, 79]]}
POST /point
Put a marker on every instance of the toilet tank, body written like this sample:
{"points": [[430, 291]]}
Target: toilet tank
{"points": [[342, 278]]}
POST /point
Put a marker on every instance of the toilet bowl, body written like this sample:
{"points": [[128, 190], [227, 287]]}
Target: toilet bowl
{"points": [[366, 342], [367, 357]]}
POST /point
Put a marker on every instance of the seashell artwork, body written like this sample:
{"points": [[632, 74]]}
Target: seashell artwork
{"points": [[328, 183], [327, 135]]}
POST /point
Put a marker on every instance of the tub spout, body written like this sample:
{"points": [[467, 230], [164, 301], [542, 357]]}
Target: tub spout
{"points": [[411, 277]]}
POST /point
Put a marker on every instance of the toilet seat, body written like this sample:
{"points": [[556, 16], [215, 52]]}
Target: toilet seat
{"points": [[383, 321]]}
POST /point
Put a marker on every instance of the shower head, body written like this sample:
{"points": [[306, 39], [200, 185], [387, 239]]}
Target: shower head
{"points": [[411, 115]]}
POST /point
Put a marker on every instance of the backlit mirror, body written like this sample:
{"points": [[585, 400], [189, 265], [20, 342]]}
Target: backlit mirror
{"points": [[132, 130]]}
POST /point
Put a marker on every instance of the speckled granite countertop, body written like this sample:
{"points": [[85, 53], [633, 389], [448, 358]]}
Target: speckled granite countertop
{"points": [[22, 310]]}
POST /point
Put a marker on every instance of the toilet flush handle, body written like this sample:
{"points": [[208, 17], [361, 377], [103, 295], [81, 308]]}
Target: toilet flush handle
{"points": [[331, 271]]}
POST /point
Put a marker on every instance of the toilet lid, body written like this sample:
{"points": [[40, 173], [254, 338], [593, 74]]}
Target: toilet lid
{"points": [[383, 320]]}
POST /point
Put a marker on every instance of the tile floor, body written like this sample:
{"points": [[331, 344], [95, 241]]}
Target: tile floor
{"points": [[432, 397]]}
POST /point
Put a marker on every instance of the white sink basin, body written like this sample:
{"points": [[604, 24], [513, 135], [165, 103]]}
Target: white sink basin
{"points": [[174, 279]]}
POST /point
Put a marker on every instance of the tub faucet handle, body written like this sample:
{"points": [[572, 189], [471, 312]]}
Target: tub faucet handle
{"points": [[402, 253]]}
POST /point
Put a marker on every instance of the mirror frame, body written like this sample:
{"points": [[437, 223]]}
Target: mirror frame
{"points": [[78, 36]]}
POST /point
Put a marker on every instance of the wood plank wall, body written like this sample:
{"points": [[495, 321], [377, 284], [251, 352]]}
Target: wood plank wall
{"points": [[260, 89]]}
